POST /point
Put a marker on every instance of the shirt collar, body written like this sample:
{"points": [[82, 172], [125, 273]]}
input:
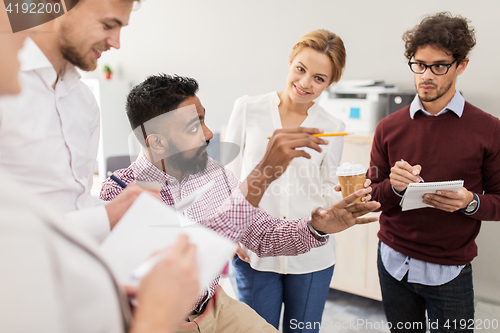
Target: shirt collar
{"points": [[33, 59], [456, 105], [145, 170]]}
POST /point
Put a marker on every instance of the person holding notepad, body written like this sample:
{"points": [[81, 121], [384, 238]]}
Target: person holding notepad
{"points": [[425, 254], [53, 278], [300, 283]]}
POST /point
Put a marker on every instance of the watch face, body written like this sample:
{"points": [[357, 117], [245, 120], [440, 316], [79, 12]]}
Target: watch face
{"points": [[471, 206]]}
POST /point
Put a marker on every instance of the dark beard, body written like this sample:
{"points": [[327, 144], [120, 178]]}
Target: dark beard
{"points": [[189, 166]]}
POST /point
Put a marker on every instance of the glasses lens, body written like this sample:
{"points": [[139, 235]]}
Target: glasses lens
{"points": [[439, 69], [417, 68]]}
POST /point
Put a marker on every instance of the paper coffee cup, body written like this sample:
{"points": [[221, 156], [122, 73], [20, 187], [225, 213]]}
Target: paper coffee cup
{"points": [[351, 178]]}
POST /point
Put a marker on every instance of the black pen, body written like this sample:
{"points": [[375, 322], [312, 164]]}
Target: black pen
{"points": [[118, 181]]}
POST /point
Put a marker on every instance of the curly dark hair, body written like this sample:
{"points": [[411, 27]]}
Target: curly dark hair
{"points": [[157, 95], [452, 35]]}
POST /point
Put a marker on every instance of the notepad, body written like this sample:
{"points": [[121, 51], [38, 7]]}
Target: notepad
{"points": [[412, 198], [148, 226]]}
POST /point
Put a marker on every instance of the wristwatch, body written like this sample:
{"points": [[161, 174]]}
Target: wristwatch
{"points": [[315, 233], [472, 206]]}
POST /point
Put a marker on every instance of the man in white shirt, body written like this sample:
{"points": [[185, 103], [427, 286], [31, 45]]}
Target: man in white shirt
{"points": [[49, 133]]}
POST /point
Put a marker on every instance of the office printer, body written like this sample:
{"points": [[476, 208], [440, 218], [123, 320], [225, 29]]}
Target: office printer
{"points": [[358, 103]]}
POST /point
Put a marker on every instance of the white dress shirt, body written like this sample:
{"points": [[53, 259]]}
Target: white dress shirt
{"points": [[306, 185], [49, 139]]}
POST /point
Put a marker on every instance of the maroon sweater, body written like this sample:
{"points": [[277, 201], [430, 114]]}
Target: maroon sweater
{"points": [[447, 147]]}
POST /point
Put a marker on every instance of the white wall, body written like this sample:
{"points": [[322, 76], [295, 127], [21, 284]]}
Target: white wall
{"points": [[237, 47], [241, 47]]}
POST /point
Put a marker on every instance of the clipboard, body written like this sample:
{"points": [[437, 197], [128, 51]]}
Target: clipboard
{"points": [[412, 198]]}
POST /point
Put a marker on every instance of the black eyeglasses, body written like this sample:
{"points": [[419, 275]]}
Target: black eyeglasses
{"points": [[437, 69]]}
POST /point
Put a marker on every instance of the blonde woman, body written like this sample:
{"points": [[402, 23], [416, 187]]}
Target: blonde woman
{"points": [[300, 283]]}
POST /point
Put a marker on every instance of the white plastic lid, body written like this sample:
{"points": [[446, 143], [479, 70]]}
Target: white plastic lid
{"points": [[348, 169]]}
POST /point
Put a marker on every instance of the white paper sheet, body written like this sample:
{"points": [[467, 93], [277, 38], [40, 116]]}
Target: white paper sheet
{"points": [[415, 191], [148, 226]]}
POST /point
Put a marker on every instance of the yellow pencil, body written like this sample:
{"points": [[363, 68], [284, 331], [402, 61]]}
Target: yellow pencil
{"points": [[331, 134], [327, 134]]}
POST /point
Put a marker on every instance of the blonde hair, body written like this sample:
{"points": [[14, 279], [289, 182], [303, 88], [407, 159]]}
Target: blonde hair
{"points": [[325, 42]]}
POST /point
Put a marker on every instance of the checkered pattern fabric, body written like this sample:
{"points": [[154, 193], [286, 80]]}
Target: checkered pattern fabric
{"points": [[223, 209]]}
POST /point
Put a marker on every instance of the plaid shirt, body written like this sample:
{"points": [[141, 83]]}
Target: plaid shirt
{"points": [[223, 209]]}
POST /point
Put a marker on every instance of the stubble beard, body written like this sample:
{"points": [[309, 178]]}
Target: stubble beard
{"points": [[71, 54], [439, 93]]}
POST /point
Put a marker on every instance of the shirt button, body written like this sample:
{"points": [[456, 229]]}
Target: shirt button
{"points": [[284, 217]]}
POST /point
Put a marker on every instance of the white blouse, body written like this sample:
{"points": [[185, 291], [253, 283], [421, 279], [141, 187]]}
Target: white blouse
{"points": [[306, 185]]}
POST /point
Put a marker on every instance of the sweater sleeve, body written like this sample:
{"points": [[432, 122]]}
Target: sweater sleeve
{"points": [[236, 134], [379, 172], [489, 200]]}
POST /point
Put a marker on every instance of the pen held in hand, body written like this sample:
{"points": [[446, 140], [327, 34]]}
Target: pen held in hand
{"points": [[420, 178], [147, 266], [118, 181], [326, 134]]}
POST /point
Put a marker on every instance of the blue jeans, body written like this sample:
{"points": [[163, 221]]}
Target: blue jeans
{"points": [[450, 307], [303, 295]]}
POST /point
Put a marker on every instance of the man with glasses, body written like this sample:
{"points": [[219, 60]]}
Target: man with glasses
{"points": [[425, 254]]}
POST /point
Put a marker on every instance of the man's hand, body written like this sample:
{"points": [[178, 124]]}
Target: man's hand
{"points": [[449, 201], [402, 174], [240, 253], [117, 208], [344, 214], [169, 291], [281, 150]]}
